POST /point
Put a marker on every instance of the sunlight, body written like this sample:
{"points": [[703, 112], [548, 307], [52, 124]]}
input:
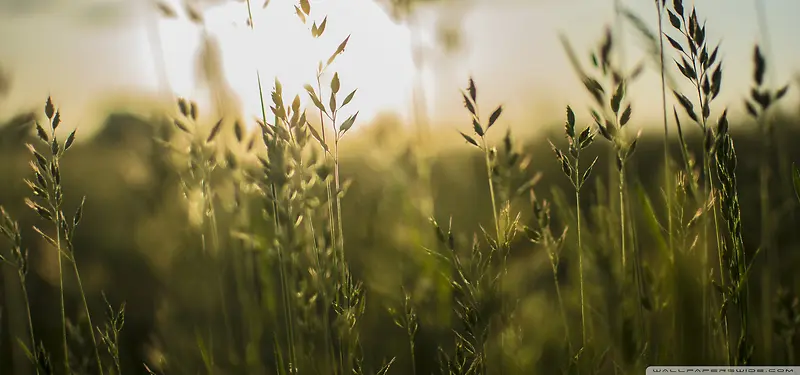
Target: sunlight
{"points": [[179, 41], [377, 60]]}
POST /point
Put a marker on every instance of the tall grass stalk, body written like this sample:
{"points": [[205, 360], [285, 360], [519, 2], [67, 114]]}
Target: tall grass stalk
{"points": [[326, 326], [9, 228], [470, 102], [570, 165], [613, 130], [698, 63], [659, 5], [758, 105], [285, 292], [544, 236], [617, 36], [48, 189], [668, 177], [784, 169], [110, 334], [736, 292], [408, 320], [281, 249]]}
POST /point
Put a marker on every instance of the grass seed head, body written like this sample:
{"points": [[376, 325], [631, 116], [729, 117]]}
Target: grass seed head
{"points": [[49, 108]]}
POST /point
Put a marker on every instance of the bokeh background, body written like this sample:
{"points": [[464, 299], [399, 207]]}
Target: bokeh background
{"points": [[115, 67]]}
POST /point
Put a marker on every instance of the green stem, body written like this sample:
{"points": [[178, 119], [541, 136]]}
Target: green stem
{"points": [[580, 251], [561, 309], [214, 232], [639, 279], [28, 312], [623, 236], [725, 332], [491, 192], [331, 216], [331, 208], [281, 266], [709, 188], [88, 315], [345, 366], [766, 242], [56, 212], [413, 355], [338, 194], [667, 166], [326, 326]]}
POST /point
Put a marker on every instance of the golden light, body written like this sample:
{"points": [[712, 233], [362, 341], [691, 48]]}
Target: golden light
{"points": [[377, 60]]}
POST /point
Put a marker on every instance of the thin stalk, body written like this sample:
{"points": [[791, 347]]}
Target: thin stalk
{"points": [[487, 160], [346, 282], [500, 240], [28, 312], [717, 237], [707, 190], [562, 310], [621, 175], [282, 267], [327, 155], [317, 259], [288, 318], [214, 228], [239, 265], [764, 172], [61, 283], [413, 357], [491, 192], [667, 164], [337, 185], [88, 315], [285, 290], [331, 210], [256, 277], [326, 326], [580, 252], [338, 246], [766, 241], [704, 282], [623, 236], [8, 304], [618, 33], [725, 331], [338, 191], [743, 297], [623, 239], [639, 277]]}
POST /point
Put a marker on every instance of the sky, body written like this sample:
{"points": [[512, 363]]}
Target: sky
{"points": [[87, 52]]}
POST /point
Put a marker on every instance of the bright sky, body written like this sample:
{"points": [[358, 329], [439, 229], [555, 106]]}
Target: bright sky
{"points": [[81, 51]]}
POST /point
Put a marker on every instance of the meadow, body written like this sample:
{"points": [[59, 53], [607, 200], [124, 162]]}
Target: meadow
{"points": [[167, 245]]}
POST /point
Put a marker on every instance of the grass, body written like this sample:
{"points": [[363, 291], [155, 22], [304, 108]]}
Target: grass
{"points": [[262, 281], [571, 169]]}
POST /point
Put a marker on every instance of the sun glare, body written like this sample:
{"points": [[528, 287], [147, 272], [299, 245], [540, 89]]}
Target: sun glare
{"points": [[377, 60]]}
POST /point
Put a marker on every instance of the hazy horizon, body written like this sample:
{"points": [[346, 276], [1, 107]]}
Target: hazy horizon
{"points": [[86, 51]]}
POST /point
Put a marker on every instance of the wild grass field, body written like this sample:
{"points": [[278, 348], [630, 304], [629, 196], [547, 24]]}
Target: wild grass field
{"points": [[168, 245]]}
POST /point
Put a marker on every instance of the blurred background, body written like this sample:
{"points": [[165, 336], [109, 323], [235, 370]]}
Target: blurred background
{"points": [[98, 54], [115, 67]]}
